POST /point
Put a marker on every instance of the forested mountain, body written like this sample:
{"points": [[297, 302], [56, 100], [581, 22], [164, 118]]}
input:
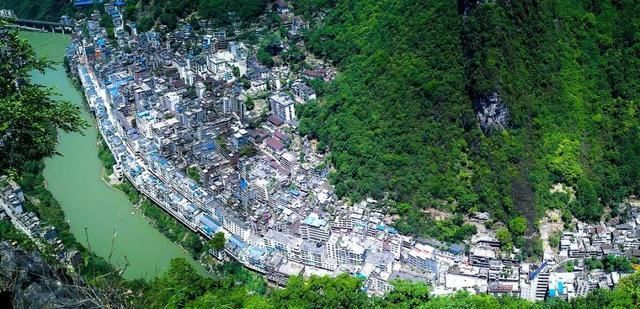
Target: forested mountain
{"points": [[167, 12], [480, 105], [50, 10]]}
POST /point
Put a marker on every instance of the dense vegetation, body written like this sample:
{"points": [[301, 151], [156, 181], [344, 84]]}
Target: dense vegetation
{"points": [[106, 157], [399, 119], [611, 263], [565, 70], [234, 287], [29, 114], [10, 233], [29, 119], [219, 12], [50, 10]]}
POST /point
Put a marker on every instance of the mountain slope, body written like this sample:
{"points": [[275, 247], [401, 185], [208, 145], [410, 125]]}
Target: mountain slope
{"points": [[481, 106], [50, 10]]}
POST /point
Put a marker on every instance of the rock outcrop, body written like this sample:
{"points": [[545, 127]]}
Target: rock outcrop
{"points": [[27, 281], [491, 112]]}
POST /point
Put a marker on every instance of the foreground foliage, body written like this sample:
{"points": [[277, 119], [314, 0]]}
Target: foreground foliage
{"points": [[29, 120], [234, 287], [29, 114]]}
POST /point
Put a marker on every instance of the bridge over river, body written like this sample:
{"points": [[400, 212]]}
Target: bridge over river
{"points": [[35, 25]]}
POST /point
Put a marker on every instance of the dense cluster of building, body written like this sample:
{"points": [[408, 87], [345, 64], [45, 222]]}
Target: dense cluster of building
{"points": [[597, 240], [12, 202], [488, 270], [179, 126]]}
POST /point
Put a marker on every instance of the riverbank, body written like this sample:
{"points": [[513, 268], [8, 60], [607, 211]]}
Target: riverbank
{"points": [[188, 241], [166, 224], [98, 216], [40, 201]]}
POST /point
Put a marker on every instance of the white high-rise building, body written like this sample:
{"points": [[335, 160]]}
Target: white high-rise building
{"points": [[283, 106]]}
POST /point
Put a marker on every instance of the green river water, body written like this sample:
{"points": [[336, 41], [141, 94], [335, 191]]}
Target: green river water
{"points": [[74, 179]]}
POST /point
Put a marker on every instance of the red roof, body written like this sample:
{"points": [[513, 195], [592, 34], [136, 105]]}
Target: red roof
{"points": [[280, 135], [275, 120], [315, 73], [274, 144]]}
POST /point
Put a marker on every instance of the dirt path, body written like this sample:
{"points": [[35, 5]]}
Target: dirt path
{"points": [[549, 224]]}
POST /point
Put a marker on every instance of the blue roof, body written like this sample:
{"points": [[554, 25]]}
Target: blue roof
{"points": [[85, 2], [208, 221], [255, 252], [208, 146], [535, 272], [243, 184], [314, 220], [560, 288], [456, 248], [115, 85], [210, 224], [237, 242]]}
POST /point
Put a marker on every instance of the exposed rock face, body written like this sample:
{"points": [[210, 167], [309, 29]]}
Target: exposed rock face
{"points": [[465, 5], [491, 112], [27, 281]]}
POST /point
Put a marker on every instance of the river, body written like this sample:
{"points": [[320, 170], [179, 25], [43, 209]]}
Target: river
{"points": [[74, 179]]}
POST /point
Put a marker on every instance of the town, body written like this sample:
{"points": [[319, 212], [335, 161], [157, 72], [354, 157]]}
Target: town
{"points": [[212, 138]]}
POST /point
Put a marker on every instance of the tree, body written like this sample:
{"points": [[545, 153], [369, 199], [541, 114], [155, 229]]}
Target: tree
{"points": [[248, 151], [193, 173], [178, 286], [406, 294], [402, 112], [106, 157], [344, 291], [250, 103], [231, 286], [29, 113], [537, 249], [629, 288], [504, 237], [272, 44], [217, 242], [518, 225], [593, 263], [554, 239], [293, 55], [569, 266], [264, 57], [145, 24], [169, 20], [587, 207], [612, 263]]}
